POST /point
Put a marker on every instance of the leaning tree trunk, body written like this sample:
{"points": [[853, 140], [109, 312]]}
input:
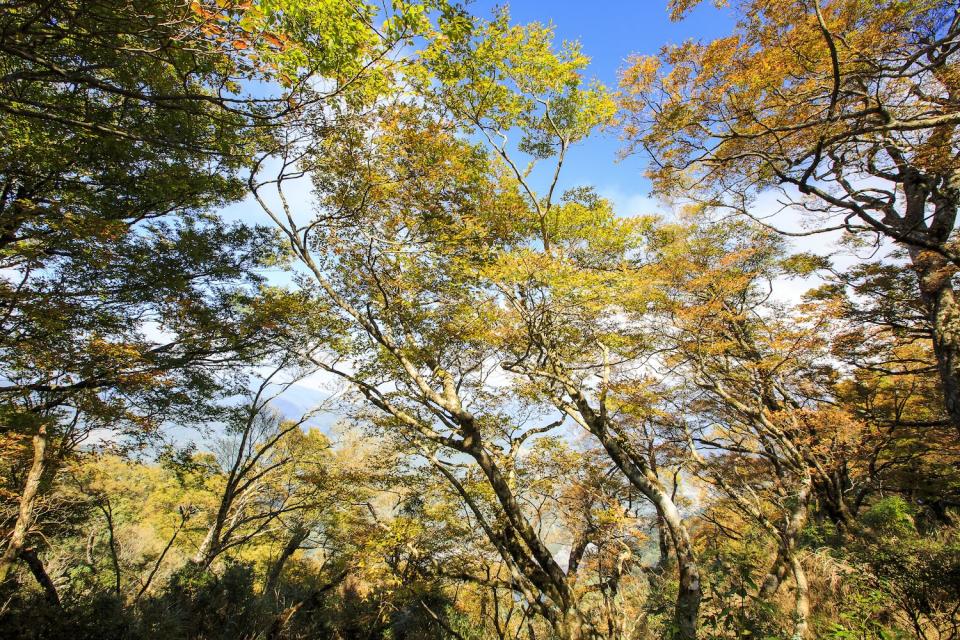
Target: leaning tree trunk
{"points": [[687, 609], [28, 499], [297, 537], [205, 552], [43, 579]]}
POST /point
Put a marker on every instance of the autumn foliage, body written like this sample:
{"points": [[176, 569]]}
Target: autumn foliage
{"points": [[425, 384]]}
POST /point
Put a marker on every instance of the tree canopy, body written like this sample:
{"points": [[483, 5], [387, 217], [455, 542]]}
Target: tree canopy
{"points": [[530, 413]]}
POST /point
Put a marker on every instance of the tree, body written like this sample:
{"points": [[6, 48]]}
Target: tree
{"points": [[162, 346], [557, 421], [847, 111], [892, 386], [272, 472], [399, 277], [764, 432], [557, 293], [122, 296]]}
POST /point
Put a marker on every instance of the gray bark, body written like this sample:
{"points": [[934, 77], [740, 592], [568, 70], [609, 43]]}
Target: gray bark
{"points": [[28, 498]]}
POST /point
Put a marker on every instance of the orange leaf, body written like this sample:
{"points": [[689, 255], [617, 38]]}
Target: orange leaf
{"points": [[272, 39]]}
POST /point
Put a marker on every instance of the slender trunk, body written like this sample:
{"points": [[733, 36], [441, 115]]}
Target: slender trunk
{"points": [[935, 274], [28, 498], [801, 613], [206, 551], [556, 588], [184, 516], [441, 621], [540, 567], [107, 510], [299, 534], [216, 540], [687, 610], [29, 556], [775, 576]]}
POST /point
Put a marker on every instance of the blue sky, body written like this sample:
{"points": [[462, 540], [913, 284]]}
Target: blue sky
{"points": [[609, 32]]}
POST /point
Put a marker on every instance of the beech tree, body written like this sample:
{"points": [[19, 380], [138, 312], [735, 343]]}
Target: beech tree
{"points": [[273, 472], [129, 122], [409, 212], [561, 283], [554, 420], [847, 113], [763, 434], [399, 276]]}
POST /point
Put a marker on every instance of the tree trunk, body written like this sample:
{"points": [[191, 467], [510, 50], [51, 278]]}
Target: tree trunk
{"points": [[801, 612], [775, 576], [209, 547], [834, 503], [687, 610], [28, 498], [299, 534], [666, 549], [184, 516], [107, 510], [784, 561], [935, 274], [556, 587], [43, 579]]}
